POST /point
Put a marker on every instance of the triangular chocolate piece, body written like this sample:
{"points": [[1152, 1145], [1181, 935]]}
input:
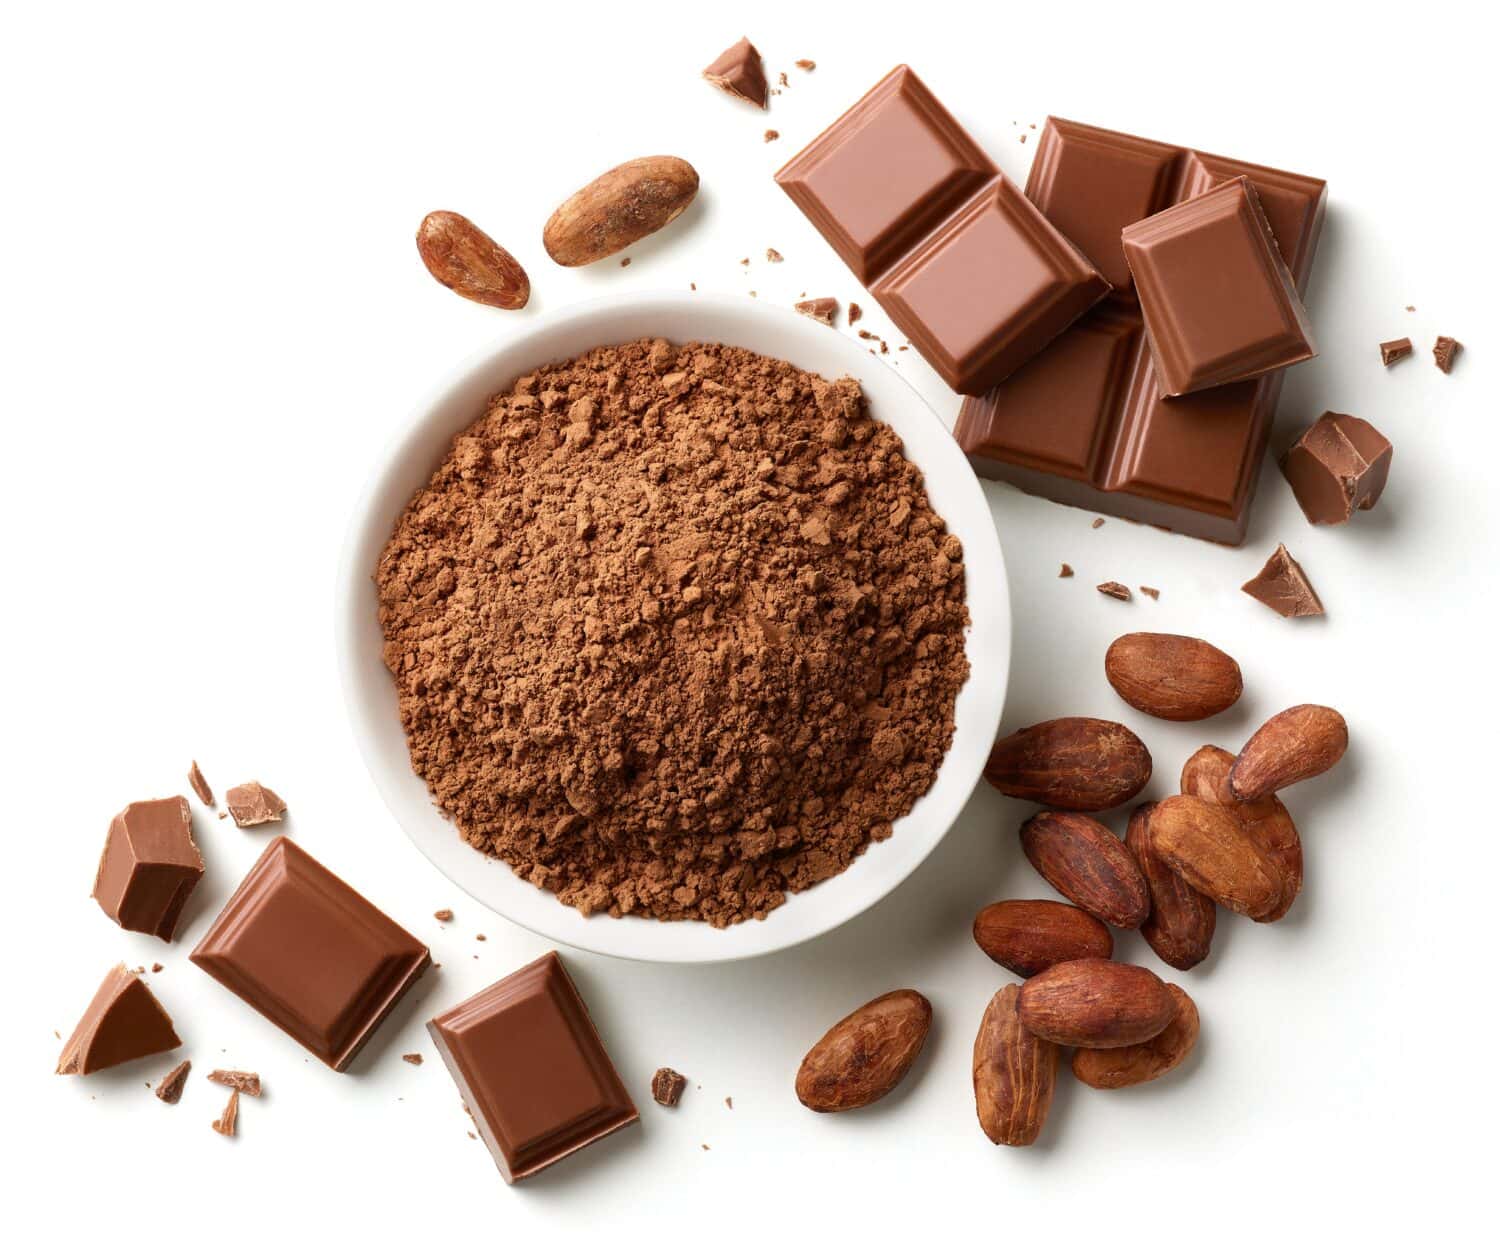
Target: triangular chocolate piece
{"points": [[739, 71], [124, 1021], [1282, 586]]}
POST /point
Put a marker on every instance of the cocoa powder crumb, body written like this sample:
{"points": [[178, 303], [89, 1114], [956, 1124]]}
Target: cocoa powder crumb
{"points": [[696, 732], [1117, 590], [666, 1086]]}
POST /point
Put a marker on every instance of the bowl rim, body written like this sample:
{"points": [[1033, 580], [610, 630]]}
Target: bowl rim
{"points": [[988, 637]]}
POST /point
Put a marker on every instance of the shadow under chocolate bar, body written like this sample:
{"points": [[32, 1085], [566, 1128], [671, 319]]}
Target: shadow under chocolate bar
{"points": [[1086, 422], [955, 254]]}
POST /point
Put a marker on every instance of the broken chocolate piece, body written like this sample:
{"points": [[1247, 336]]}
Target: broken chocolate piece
{"points": [[1337, 465], [443, 916], [200, 785], [1066, 571], [821, 309], [226, 1122], [739, 71], [772, 255], [172, 1083], [1097, 523], [414, 1059], [253, 803], [1395, 351], [666, 1086], [1283, 587], [124, 1021], [1444, 351], [246, 1081], [806, 66], [149, 866], [1115, 590], [856, 313], [531, 1069], [772, 135], [1152, 592]]}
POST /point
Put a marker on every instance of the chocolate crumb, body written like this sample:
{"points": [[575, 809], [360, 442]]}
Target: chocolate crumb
{"points": [[1395, 351], [1282, 587], [200, 785], [666, 1086], [155, 967], [806, 65], [856, 313], [1411, 308], [246, 1081], [479, 936], [781, 78], [772, 255], [693, 285], [172, 1083], [821, 309], [738, 71], [415, 1059], [1023, 137], [252, 803], [1097, 523], [1117, 591], [745, 262], [226, 1123], [1066, 571], [223, 815], [772, 135], [729, 1101], [444, 916], [472, 1135], [625, 262], [1444, 351], [1152, 592]]}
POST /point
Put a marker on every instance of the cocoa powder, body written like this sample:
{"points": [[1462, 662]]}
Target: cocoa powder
{"points": [[675, 631]]}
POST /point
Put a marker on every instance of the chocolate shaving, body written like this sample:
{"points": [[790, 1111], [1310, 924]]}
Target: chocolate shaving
{"points": [[666, 1087], [226, 1122], [252, 803], [246, 1081], [1066, 571], [1117, 591], [1282, 587], [1444, 351], [738, 71], [821, 309], [200, 785], [1395, 351], [172, 1083], [415, 1059]]}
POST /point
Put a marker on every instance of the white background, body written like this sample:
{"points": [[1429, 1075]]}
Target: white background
{"points": [[213, 318]]}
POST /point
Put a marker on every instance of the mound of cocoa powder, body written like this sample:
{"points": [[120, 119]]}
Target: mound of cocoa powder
{"points": [[675, 631]]}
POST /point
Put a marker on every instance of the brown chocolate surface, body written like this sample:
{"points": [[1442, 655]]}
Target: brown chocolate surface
{"points": [[246, 1081], [1394, 351], [1444, 351], [531, 1069], [1086, 422], [149, 867], [667, 1086], [252, 803], [821, 309], [124, 1021], [738, 70], [313, 956], [1217, 298], [172, 1083], [1337, 465], [961, 261], [1282, 587]]}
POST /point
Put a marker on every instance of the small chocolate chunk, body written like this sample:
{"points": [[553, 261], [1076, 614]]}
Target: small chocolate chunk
{"points": [[149, 866], [1117, 591], [1096, 523], [772, 135], [856, 313], [172, 1083], [253, 803], [667, 1086], [772, 255], [821, 309], [226, 1122], [124, 1021], [1444, 351], [200, 785], [739, 71], [807, 66], [444, 916], [246, 1081], [1283, 587], [1395, 351], [1152, 592], [1337, 465], [414, 1059], [1066, 571]]}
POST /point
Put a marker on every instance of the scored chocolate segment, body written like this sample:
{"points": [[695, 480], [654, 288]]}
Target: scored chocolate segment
{"points": [[965, 264], [1189, 463], [311, 954], [998, 249], [531, 1069], [885, 173], [1216, 295]]}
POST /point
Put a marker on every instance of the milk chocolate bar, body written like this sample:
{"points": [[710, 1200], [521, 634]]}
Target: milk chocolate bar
{"points": [[312, 955], [962, 262], [531, 1068], [1087, 422]]}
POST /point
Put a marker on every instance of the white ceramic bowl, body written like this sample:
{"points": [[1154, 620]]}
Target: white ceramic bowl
{"points": [[458, 401]]}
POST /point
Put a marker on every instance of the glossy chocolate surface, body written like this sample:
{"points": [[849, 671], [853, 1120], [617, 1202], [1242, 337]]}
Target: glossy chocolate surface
{"points": [[531, 1069], [1339, 464], [149, 866], [123, 1021], [312, 955], [1086, 422], [962, 262]]}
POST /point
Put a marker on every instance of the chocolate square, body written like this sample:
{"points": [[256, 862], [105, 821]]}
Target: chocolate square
{"points": [[311, 954], [531, 1069], [1218, 300]]}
